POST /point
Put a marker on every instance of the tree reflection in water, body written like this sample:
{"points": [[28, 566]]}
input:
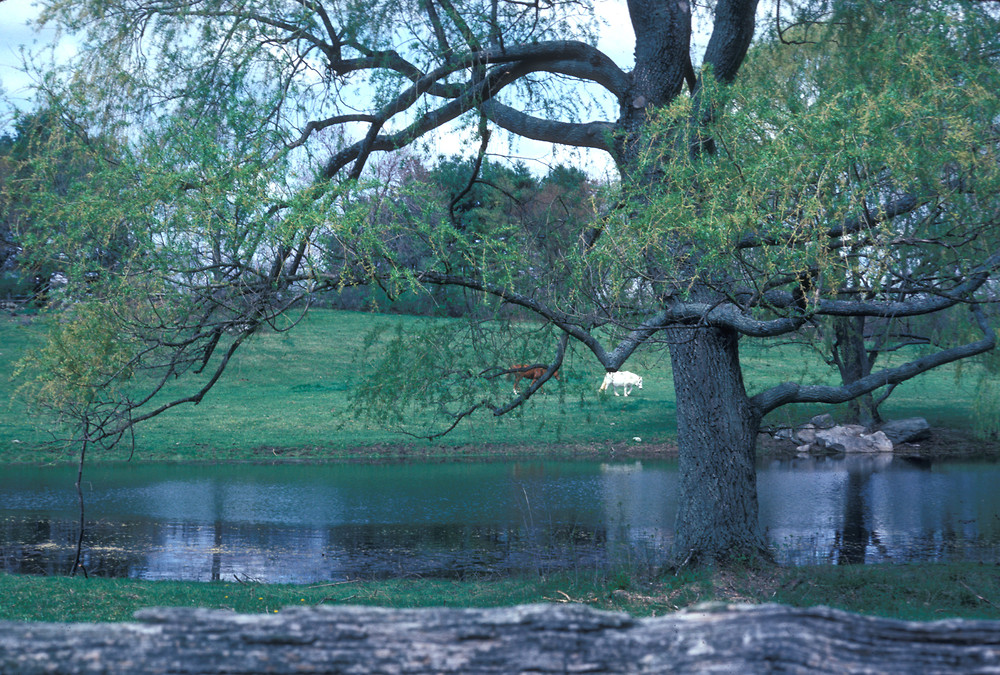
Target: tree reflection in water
{"points": [[855, 535], [305, 524]]}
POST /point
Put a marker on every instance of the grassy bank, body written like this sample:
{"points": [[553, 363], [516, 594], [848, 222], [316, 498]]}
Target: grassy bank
{"points": [[915, 592], [288, 395]]}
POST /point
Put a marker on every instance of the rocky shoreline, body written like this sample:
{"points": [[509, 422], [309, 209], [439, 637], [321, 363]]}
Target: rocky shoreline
{"points": [[927, 442]]}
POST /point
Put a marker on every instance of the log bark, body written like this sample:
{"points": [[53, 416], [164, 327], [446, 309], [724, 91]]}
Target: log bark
{"points": [[528, 638]]}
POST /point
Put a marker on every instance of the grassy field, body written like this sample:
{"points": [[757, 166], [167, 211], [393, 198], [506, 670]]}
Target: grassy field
{"points": [[289, 395], [913, 592]]}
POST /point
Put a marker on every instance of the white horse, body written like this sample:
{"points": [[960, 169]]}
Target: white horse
{"points": [[623, 379]]}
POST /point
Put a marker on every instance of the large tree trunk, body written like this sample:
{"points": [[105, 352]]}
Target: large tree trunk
{"points": [[854, 363], [717, 435]]}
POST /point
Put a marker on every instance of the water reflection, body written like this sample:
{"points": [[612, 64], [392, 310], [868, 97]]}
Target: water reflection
{"points": [[314, 523], [852, 510]]}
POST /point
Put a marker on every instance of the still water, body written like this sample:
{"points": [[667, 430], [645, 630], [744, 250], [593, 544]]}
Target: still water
{"points": [[308, 523]]}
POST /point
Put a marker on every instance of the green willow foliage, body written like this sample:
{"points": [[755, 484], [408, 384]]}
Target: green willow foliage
{"points": [[832, 131], [156, 250], [814, 134]]}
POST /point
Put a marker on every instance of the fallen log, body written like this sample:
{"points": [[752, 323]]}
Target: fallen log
{"points": [[529, 638]]}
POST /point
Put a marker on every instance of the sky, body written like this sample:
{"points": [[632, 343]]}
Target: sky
{"points": [[15, 33]]}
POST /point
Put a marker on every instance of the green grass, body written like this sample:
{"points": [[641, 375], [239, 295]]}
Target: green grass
{"points": [[288, 395], [917, 592], [29, 598], [914, 592]]}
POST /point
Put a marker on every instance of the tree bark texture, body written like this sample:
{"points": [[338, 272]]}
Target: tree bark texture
{"points": [[716, 435], [854, 363], [529, 638]]}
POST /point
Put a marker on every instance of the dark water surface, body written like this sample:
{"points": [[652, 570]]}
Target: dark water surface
{"points": [[311, 523]]}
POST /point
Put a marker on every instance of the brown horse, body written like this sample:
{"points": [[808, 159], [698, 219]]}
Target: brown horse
{"points": [[521, 371]]}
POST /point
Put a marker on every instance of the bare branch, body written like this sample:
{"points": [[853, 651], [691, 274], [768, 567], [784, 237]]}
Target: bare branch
{"points": [[587, 135], [790, 392]]}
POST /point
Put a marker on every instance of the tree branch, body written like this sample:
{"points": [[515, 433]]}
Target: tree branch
{"points": [[791, 392], [589, 135], [728, 315], [889, 210], [510, 65], [537, 384], [562, 321], [731, 35]]}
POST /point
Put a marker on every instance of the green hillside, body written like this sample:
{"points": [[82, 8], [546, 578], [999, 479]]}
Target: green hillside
{"points": [[289, 394]]}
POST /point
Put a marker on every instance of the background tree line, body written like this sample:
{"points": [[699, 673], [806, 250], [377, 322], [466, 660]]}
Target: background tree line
{"points": [[34, 135], [545, 209]]}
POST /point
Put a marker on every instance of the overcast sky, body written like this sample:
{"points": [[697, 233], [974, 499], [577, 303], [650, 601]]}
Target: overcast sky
{"points": [[15, 34]]}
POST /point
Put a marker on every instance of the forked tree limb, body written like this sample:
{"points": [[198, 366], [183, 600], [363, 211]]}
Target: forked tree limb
{"points": [[792, 392]]}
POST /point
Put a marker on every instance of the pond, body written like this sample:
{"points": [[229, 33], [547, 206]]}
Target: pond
{"points": [[310, 523]]}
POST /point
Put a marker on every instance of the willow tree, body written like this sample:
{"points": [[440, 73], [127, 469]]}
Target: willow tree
{"points": [[856, 181]]}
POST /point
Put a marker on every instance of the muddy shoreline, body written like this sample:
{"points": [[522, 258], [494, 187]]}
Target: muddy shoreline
{"points": [[943, 443]]}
